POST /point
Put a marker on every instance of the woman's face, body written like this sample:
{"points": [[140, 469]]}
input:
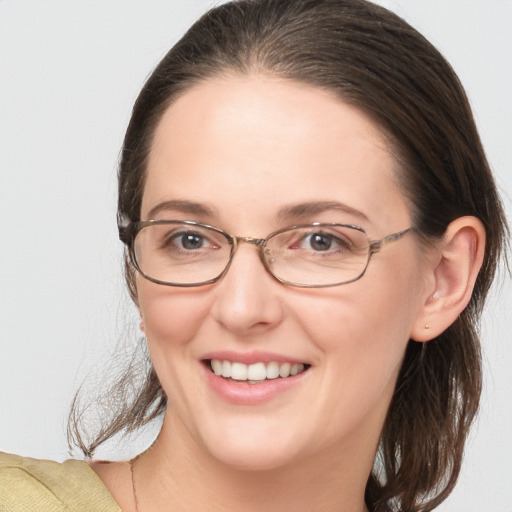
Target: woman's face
{"points": [[252, 155]]}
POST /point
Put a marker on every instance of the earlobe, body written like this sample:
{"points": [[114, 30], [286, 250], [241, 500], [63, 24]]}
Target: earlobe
{"points": [[461, 255]]}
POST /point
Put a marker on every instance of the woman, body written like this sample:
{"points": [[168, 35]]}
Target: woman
{"points": [[300, 194]]}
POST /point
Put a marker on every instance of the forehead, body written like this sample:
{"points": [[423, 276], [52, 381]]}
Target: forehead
{"points": [[249, 145]]}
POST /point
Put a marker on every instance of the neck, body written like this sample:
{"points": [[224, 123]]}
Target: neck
{"points": [[190, 479]]}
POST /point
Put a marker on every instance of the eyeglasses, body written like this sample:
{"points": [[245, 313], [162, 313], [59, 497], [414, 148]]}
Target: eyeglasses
{"points": [[186, 253]]}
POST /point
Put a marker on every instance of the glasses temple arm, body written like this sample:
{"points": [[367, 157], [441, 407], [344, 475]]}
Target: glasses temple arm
{"points": [[376, 245]]}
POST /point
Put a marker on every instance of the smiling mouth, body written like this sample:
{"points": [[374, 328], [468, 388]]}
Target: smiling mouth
{"points": [[255, 373]]}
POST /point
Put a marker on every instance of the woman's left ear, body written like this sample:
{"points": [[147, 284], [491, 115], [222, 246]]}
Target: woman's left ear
{"points": [[460, 257]]}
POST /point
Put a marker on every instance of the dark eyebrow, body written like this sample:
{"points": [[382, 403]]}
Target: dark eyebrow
{"points": [[293, 211], [304, 210], [181, 206]]}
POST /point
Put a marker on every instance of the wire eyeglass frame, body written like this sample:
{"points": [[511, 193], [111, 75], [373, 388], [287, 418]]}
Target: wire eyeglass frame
{"points": [[128, 233]]}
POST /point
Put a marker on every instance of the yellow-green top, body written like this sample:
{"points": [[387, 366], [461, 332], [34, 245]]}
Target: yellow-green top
{"points": [[31, 485]]}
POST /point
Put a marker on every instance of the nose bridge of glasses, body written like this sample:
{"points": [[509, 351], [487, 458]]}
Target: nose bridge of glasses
{"points": [[258, 242]]}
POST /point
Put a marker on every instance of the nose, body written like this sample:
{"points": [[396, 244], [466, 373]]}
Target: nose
{"points": [[248, 298]]}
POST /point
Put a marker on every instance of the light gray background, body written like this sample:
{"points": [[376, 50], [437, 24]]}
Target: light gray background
{"points": [[69, 73]]}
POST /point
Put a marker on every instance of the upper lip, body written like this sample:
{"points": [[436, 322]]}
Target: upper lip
{"points": [[255, 356]]}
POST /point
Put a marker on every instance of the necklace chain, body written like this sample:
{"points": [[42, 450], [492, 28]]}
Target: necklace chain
{"points": [[132, 463]]}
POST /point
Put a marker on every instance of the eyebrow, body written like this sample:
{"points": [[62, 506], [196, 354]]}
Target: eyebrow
{"points": [[183, 207], [288, 212], [309, 209]]}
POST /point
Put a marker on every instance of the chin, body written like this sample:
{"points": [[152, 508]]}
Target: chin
{"points": [[252, 459], [250, 449]]}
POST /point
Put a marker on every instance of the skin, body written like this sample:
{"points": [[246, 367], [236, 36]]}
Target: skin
{"points": [[246, 147]]}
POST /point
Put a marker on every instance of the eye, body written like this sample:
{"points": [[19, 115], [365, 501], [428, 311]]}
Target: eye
{"points": [[320, 241], [324, 242], [189, 241], [309, 241]]}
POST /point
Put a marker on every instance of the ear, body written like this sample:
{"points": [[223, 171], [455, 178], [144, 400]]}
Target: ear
{"points": [[460, 257]]}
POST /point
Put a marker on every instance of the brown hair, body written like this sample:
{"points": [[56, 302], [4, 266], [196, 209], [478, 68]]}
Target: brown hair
{"points": [[374, 60]]}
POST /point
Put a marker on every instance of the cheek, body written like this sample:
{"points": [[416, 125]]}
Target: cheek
{"points": [[171, 316], [360, 340], [358, 318], [361, 330]]}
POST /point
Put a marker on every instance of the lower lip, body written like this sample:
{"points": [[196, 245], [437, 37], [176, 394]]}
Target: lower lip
{"points": [[243, 393]]}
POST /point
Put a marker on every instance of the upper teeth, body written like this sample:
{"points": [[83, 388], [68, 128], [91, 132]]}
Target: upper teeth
{"points": [[256, 371]]}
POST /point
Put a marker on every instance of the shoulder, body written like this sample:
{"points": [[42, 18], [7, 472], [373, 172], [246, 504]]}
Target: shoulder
{"points": [[45, 485]]}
